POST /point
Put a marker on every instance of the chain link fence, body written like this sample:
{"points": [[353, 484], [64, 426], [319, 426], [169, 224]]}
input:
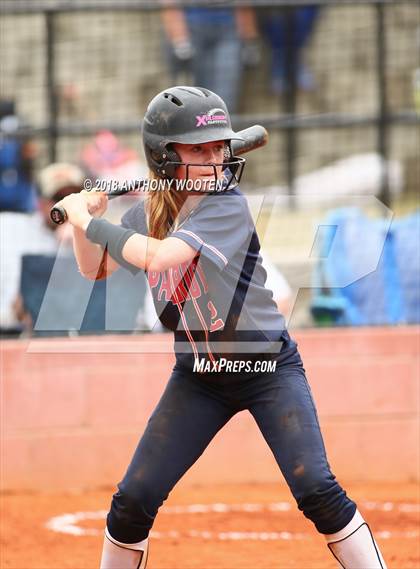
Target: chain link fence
{"points": [[349, 87]]}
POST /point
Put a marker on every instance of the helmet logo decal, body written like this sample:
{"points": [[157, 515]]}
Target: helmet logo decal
{"points": [[214, 116]]}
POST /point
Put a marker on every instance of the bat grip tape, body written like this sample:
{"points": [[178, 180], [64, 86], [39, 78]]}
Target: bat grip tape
{"points": [[111, 238]]}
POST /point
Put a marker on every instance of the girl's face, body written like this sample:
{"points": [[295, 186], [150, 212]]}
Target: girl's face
{"points": [[200, 154]]}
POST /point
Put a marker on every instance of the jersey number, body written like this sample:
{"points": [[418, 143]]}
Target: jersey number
{"points": [[216, 323]]}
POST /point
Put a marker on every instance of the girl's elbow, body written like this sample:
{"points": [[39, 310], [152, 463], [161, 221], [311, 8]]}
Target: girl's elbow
{"points": [[95, 275], [169, 259], [159, 263], [155, 266]]}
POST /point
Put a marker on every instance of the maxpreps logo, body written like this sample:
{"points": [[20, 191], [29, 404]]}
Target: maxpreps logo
{"points": [[214, 116]]}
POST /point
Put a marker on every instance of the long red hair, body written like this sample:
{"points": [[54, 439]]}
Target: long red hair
{"points": [[162, 208]]}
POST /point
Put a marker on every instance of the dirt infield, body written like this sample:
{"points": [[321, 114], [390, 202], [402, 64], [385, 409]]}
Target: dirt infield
{"points": [[224, 527]]}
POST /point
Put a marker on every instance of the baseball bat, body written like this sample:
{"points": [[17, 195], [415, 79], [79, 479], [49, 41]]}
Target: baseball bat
{"points": [[253, 137]]}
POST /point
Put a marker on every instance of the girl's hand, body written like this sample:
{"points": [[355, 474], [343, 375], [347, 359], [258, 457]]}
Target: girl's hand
{"points": [[81, 207], [97, 202]]}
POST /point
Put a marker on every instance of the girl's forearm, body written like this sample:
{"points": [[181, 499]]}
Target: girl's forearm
{"points": [[88, 255], [125, 246], [140, 251], [157, 255]]}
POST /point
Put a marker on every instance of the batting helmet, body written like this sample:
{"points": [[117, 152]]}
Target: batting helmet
{"points": [[187, 115]]}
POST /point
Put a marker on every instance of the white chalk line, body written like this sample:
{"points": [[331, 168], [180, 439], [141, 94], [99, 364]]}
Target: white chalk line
{"points": [[278, 507], [68, 523]]}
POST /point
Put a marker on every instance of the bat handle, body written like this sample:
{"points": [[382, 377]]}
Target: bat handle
{"points": [[58, 214]]}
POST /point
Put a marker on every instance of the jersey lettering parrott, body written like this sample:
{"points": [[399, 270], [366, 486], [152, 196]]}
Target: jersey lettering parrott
{"points": [[218, 305]]}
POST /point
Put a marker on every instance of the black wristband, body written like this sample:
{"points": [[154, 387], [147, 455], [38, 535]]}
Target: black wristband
{"points": [[112, 238]]}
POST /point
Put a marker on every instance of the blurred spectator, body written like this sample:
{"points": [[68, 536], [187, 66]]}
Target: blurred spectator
{"points": [[55, 183], [368, 271], [60, 301], [107, 158], [288, 29], [211, 46], [32, 233], [17, 190], [43, 289]]}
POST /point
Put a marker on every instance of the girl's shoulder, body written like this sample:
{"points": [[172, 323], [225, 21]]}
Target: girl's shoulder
{"points": [[232, 199], [135, 218]]}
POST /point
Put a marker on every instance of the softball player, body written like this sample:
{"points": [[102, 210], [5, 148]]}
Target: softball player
{"points": [[201, 254]]}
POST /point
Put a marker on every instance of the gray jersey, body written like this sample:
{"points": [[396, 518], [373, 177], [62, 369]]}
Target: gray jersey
{"points": [[217, 305]]}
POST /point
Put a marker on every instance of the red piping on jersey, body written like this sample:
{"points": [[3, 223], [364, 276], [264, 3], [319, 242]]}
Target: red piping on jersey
{"points": [[181, 312], [215, 251], [202, 320]]}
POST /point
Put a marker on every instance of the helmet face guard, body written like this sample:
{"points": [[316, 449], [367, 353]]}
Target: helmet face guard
{"points": [[232, 173], [188, 115]]}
